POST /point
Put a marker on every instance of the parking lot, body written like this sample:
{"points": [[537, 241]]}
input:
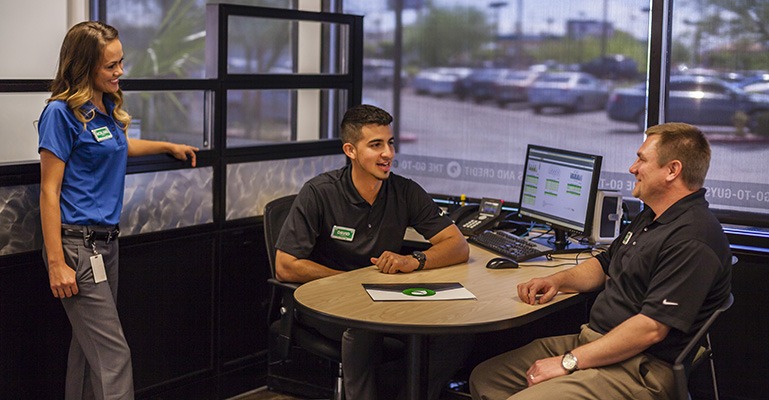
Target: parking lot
{"points": [[447, 127]]}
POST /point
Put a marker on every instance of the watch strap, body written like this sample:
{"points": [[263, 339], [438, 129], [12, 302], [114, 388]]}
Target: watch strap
{"points": [[421, 258]]}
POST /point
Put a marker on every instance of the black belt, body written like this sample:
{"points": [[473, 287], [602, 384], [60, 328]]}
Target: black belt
{"points": [[90, 234]]}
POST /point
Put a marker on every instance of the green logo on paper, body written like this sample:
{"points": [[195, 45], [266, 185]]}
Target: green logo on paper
{"points": [[419, 292], [342, 233]]}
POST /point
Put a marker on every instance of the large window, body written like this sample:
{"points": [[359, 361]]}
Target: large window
{"points": [[481, 80], [719, 80], [470, 84]]}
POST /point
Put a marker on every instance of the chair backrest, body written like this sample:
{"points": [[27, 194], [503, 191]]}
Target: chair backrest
{"points": [[275, 213], [682, 363]]}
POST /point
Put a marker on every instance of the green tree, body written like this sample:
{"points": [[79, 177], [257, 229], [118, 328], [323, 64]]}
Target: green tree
{"points": [[741, 23], [449, 36], [742, 17], [173, 46]]}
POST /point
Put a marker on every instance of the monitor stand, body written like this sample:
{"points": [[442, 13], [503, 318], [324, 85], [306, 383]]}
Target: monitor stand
{"points": [[561, 244]]}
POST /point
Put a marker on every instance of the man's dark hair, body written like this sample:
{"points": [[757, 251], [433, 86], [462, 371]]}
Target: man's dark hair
{"points": [[359, 116]]}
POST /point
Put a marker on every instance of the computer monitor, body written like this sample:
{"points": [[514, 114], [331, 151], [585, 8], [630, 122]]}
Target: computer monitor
{"points": [[559, 189]]}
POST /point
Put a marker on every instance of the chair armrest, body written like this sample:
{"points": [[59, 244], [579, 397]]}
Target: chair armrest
{"points": [[284, 327], [291, 286]]}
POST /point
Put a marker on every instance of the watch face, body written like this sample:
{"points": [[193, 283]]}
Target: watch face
{"points": [[569, 362]]}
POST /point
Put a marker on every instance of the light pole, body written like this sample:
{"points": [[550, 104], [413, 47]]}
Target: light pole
{"points": [[604, 29], [496, 6], [697, 25]]}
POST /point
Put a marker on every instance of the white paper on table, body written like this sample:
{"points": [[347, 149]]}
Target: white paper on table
{"points": [[417, 291]]}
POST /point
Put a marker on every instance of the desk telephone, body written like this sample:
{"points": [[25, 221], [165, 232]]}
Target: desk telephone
{"points": [[472, 220]]}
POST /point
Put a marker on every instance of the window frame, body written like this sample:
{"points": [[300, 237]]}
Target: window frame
{"points": [[219, 156]]}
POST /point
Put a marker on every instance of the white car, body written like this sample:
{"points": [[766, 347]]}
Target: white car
{"points": [[568, 91], [440, 81]]}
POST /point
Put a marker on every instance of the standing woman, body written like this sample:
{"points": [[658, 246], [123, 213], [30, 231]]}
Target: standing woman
{"points": [[83, 154]]}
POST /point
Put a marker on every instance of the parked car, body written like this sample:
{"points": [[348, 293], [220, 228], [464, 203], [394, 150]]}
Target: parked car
{"points": [[440, 81], [479, 85], [616, 66], [569, 91], [753, 80], [380, 73], [759, 87], [698, 100], [512, 86]]}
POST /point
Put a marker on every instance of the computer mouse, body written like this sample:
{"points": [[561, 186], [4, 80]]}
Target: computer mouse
{"points": [[501, 263]]}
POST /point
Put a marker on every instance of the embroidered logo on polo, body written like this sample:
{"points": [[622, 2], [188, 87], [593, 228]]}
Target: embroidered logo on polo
{"points": [[342, 233], [101, 134]]}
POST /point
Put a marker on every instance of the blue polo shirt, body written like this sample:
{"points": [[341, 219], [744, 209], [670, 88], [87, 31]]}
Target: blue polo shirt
{"points": [[94, 175]]}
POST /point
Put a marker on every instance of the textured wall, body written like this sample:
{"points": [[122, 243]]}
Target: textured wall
{"points": [[20, 219], [158, 201], [153, 201], [250, 186]]}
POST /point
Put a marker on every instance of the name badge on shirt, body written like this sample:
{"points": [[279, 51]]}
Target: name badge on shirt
{"points": [[342, 233], [627, 237], [101, 134]]}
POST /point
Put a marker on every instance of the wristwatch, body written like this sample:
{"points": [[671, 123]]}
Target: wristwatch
{"points": [[569, 362], [421, 257]]}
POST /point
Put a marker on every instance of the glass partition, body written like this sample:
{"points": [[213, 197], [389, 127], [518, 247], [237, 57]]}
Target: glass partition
{"points": [[258, 117], [268, 46], [174, 116], [481, 81]]}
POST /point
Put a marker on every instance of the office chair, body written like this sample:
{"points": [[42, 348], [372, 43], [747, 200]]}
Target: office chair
{"points": [[697, 351], [289, 330]]}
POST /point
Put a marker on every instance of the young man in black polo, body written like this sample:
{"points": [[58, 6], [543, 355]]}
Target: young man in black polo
{"points": [[355, 217], [660, 280]]}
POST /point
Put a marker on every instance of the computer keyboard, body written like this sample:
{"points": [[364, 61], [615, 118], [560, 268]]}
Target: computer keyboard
{"points": [[509, 245]]}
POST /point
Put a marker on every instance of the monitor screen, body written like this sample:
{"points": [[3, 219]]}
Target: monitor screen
{"points": [[559, 189]]}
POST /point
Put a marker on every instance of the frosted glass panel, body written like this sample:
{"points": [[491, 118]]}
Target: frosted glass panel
{"points": [[250, 186]]}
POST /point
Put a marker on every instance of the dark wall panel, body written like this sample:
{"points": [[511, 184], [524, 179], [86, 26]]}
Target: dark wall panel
{"points": [[244, 295], [34, 332], [165, 304]]}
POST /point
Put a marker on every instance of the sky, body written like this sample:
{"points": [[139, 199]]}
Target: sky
{"points": [[539, 16]]}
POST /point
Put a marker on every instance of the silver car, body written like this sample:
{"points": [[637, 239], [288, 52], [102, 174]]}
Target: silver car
{"points": [[440, 81], [512, 87], [568, 91]]}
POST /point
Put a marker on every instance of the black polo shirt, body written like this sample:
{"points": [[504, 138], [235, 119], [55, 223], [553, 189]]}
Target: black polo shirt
{"points": [[331, 224], [675, 270]]}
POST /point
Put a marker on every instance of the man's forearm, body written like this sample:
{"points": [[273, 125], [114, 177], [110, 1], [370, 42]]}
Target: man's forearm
{"points": [[585, 277], [627, 340], [291, 269], [452, 248]]}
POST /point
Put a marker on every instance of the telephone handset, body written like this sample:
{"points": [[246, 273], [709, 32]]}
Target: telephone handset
{"points": [[482, 218]]}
